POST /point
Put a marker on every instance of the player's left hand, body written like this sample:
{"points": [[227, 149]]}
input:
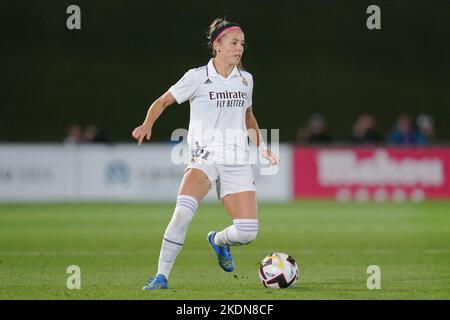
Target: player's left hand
{"points": [[272, 157]]}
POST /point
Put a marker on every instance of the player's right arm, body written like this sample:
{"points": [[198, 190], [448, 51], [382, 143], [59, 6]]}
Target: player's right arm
{"points": [[180, 92], [155, 110]]}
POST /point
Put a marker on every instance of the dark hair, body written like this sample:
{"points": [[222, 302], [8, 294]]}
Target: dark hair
{"points": [[215, 28]]}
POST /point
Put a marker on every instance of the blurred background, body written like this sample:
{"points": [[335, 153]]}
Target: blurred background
{"points": [[307, 58], [321, 77]]}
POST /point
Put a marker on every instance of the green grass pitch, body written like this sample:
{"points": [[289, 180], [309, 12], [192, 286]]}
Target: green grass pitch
{"points": [[117, 245]]}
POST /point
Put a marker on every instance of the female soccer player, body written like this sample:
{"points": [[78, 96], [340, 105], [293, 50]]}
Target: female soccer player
{"points": [[221, 119]]}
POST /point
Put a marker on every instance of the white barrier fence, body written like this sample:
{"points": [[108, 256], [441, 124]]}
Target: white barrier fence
{"points": [[124, 172]]}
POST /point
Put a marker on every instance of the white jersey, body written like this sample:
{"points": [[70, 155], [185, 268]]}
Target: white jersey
{"points": [[217, 118]]}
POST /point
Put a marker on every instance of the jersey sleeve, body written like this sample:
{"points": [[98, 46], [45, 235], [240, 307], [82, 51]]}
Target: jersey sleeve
{"points": [[250, 91], [185, 88]]}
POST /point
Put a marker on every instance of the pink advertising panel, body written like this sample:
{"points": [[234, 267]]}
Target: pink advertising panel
{"points": [[372, 173]]}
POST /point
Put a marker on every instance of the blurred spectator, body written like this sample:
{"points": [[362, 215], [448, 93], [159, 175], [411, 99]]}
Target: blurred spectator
{"points": [[92, 134], [425, 123], [364, 130], [74, 133], [315, 132], [404, 133]]}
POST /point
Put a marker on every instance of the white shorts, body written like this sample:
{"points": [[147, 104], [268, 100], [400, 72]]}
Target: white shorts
{"points": [[229, 178]]}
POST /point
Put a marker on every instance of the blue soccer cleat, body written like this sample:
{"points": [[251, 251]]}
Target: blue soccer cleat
{"points": [[158, 282], [224, 256]]}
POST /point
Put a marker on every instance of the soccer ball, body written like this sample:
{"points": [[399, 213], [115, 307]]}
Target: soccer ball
{"points": [[278, 270]]}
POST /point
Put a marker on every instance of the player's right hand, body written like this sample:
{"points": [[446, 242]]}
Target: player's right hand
{"points": [[141, 132]]}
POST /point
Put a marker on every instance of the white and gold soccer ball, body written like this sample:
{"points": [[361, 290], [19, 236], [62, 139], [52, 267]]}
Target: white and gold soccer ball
{"points": [[278, 270]]}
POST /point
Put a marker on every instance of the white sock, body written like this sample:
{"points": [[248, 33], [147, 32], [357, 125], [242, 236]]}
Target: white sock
{"points": [[175, 233], [243, 231]]}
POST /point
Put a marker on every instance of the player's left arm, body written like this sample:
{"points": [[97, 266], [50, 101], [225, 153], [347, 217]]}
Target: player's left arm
{"points": [[255, 136]]}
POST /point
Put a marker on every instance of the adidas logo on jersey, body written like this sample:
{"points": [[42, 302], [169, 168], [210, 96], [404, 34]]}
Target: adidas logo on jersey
{"points": [[208, 81]]}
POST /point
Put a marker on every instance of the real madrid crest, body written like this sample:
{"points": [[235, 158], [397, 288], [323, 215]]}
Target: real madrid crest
{"points": [[244, 81]]}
